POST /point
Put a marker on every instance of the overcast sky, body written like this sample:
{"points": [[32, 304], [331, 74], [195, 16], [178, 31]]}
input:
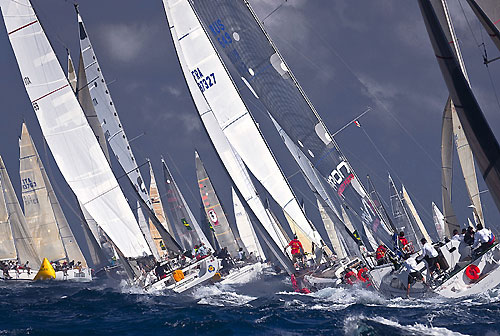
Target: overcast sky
{"points": [[346, 54]]}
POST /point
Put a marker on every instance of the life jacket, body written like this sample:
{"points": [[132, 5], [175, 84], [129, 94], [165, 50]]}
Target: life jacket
{"points": [[296, 245], [380, 253], [403, 241]]}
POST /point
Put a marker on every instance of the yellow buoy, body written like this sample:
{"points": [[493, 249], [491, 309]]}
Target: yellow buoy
{"points": [[46, 271]]}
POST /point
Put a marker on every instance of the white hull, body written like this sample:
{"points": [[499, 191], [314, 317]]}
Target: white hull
{"points": [[194, 274], [394, 283], [460, 285], [83, 275], [242, 274]]}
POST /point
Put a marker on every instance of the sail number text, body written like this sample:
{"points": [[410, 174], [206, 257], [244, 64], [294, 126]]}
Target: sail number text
{"points": [[27, 183], [218, 30], [204, 82]]}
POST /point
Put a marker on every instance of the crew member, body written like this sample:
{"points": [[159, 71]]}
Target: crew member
{"points": [[413, 273], [457, 236], [402, 239], [296, 246], [469, 236], [380, 254], [429, 254], [483, 236]]}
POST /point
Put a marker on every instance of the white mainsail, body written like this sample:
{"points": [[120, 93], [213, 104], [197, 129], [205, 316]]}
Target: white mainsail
{"points": [[439, 221], [245, 228], [23, 243], [41, 206], [200, 62], [66, 130], [414, 213]]}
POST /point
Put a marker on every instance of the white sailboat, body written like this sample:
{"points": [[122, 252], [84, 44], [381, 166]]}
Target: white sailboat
{"points": [[50, 231]]}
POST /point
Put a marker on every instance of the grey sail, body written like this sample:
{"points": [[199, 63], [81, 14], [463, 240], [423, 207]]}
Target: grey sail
{"points": [[481, 139], [20, 232], [38, 212], [214, 211], [188, 232], [7, 247], [400, 215], [71, 248], [488, 13], [237, 34]]}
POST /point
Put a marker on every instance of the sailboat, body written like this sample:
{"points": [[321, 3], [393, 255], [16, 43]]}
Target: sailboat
{"points": [[186, 271], [50, 232], [465, 274], [16, 245]]}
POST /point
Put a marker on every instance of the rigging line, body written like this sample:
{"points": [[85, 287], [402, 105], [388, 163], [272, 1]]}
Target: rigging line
{"points": [[274, 10], [389, 166], [182, 176], [373, 96]]}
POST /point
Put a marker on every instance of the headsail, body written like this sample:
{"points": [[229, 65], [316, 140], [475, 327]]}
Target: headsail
{"points": [[187, 229], [160, 214], [439, 221], [20, 232], [7, 247], [66, 129], [213, 208], [401, 217], [413, 211], [40, 202]]}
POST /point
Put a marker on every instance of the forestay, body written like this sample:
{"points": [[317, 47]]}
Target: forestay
{"points": [[237, 34], [22, 237], [201, 62], [66, 130]]}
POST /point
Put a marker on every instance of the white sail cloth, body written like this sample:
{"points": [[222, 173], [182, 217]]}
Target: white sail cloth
{"points": [[200, 62], [66, 130]]}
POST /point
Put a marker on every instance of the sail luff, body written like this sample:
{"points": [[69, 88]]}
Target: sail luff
{"points": [[481, 139], [65, 128]]}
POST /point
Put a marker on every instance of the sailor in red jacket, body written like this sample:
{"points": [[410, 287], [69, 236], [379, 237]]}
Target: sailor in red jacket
{"points": [[297, 249]]}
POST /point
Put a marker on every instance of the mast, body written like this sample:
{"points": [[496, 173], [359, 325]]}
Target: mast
{"points": [[66, 130], [481, 139]]}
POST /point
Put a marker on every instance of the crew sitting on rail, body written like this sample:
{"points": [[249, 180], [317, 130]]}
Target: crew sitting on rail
{"points": [[430, 255], [297, 249], [483, 236]]}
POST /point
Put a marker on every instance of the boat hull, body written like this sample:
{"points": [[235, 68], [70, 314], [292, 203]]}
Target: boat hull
{"points": [[242, 274], [79, 275]]}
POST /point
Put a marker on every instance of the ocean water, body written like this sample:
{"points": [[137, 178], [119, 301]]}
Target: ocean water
{"points": [[263, 305]]}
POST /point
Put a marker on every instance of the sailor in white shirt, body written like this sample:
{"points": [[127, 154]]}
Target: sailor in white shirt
{"points": [[413, 273], [430, 255], [456, 236], [484, 237]]}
